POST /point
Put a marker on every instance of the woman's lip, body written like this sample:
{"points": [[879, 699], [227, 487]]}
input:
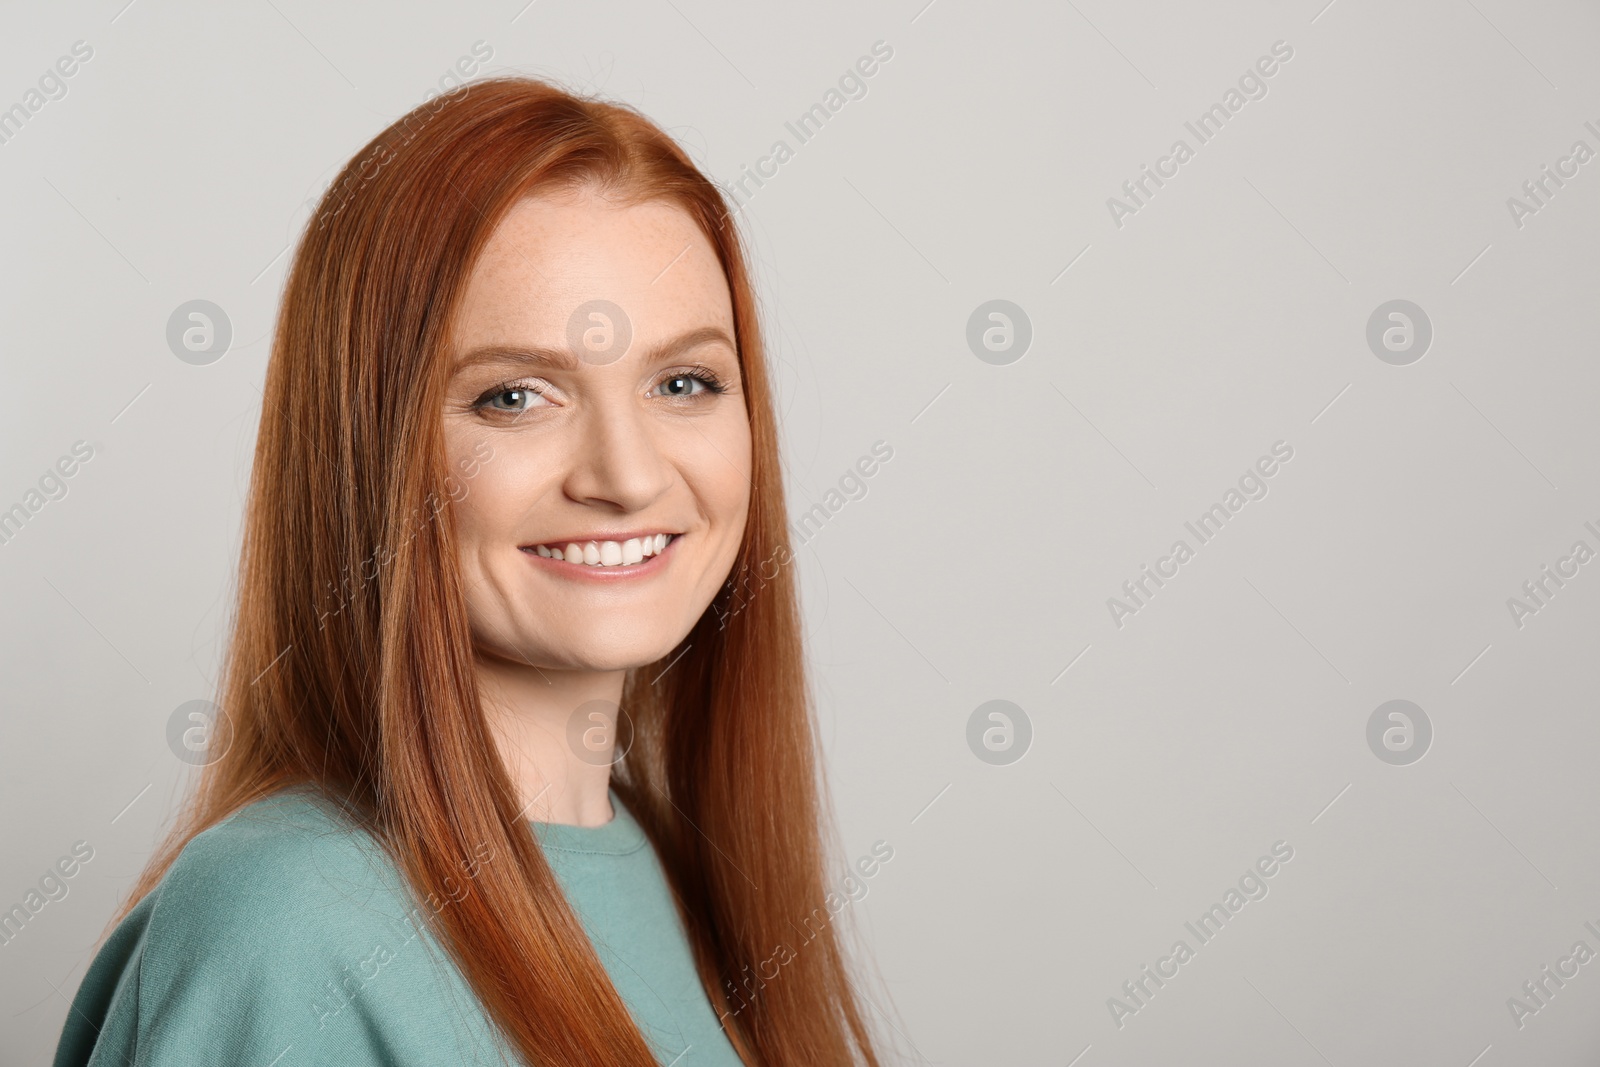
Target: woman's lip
{"points": [[586, 572], [619, 538]]}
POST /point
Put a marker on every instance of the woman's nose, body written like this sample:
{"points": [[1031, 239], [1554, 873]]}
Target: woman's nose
{"points": [[619, 456]]}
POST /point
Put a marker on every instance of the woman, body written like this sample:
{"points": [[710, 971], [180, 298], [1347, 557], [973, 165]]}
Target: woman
{"points": [[515, 759]]}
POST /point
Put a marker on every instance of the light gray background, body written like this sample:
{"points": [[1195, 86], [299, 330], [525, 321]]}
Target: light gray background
{"points": [[1229, 313]]}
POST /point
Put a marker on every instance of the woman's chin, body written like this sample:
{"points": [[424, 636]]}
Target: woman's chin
{"points": [[605, 651]]}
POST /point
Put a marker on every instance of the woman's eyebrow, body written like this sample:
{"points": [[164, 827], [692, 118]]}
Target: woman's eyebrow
{"points": [[564, 359]]}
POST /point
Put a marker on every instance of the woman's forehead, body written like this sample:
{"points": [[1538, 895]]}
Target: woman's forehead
{"points": [[550, 257]]}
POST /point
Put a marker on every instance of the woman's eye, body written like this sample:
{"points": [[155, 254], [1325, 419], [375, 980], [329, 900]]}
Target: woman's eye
{"points": [[683, 385], [511, 400]]}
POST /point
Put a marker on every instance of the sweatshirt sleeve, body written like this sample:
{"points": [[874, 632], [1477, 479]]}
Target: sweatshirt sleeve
{"points": [[275, 940]]}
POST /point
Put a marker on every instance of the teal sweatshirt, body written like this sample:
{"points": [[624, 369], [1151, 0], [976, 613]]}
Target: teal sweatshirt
{"points": [[284, 936]]}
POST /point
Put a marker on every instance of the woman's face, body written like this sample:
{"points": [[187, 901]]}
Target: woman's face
{"points": [[583, 410]]}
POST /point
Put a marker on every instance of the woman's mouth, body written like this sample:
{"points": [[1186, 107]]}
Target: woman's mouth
{"points": [[603, 555]]}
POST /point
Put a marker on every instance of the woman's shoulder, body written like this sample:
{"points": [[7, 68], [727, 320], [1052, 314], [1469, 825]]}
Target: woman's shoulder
{"points": [[284, 925], [291, 862]]}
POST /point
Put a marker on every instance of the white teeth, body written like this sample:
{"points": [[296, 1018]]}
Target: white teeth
{"points": [[607, 553]]}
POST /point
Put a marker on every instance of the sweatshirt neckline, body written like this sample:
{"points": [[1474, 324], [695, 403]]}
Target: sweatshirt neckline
{"points": [[620, 836]]}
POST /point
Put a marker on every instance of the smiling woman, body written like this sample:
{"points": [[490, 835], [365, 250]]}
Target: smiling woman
{"points": [[599, 454], [528, 741]]}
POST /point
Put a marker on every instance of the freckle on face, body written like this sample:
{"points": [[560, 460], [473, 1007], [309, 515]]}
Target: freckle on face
{"points": [[625, 445]]}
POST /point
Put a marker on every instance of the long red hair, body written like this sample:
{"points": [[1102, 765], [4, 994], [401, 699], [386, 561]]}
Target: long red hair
{"points": [[350, 664]]}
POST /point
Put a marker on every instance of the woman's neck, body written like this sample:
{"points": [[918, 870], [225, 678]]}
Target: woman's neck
{"points": [[556, 731]]}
